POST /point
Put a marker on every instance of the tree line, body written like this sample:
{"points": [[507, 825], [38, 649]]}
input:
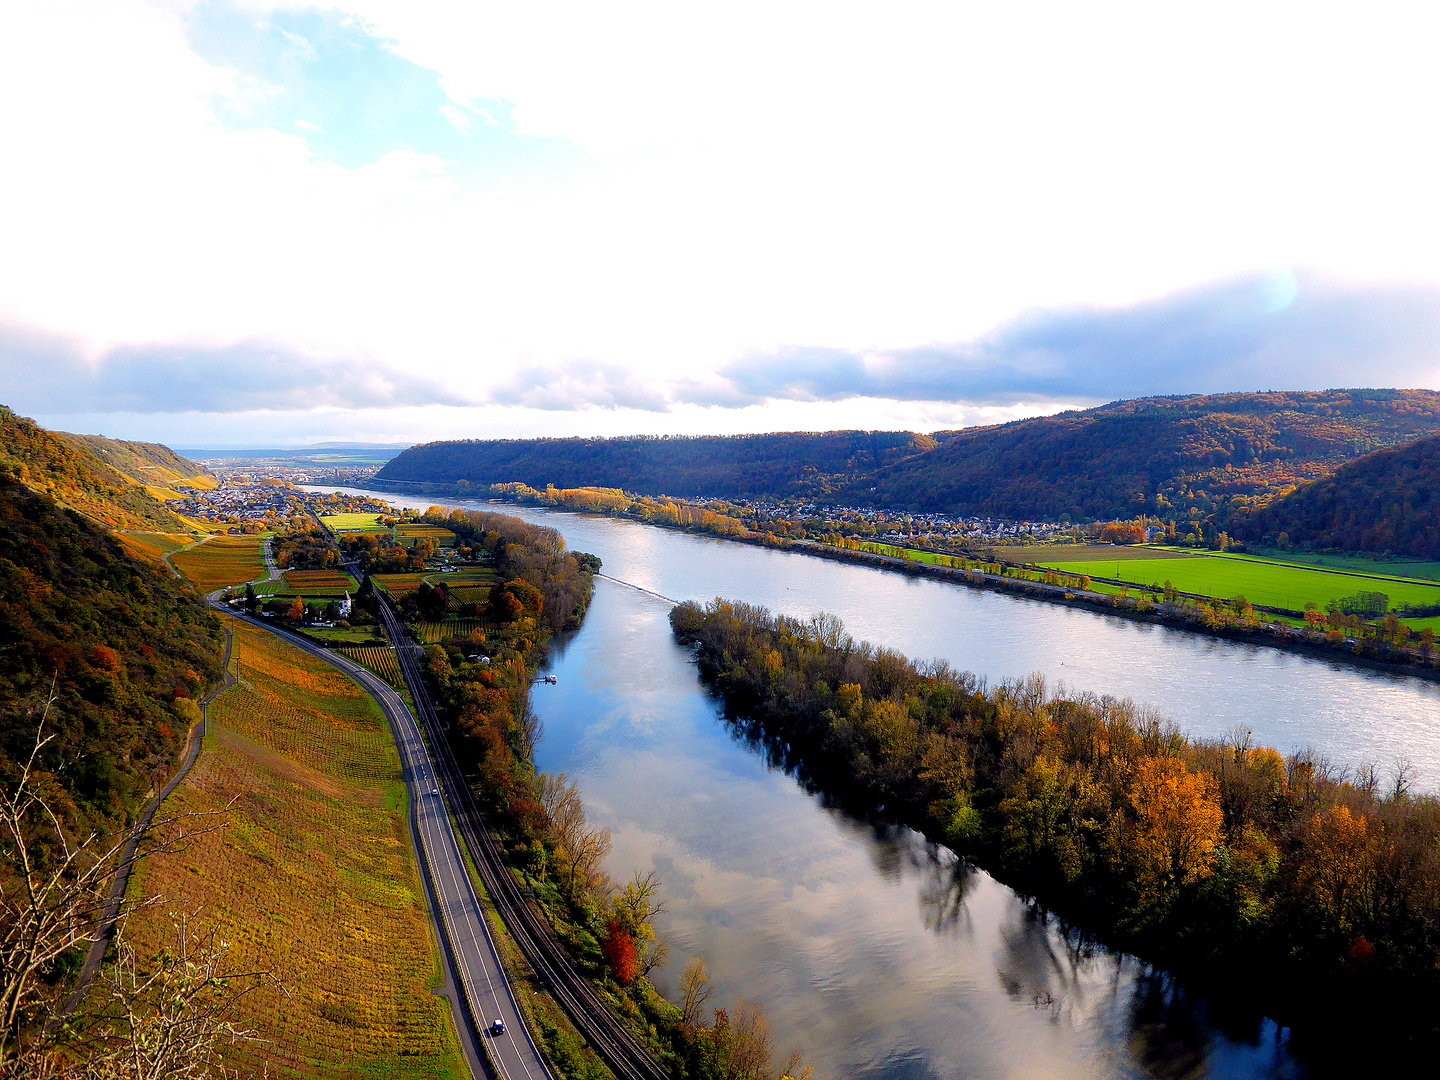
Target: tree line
{"points": [[1311, 892], [483, 686]]}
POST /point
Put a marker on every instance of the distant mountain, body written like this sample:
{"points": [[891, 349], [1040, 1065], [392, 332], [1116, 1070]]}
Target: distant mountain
{"points": [[1163, 456], [67, 469], [151, 465], [789, 464], [1386, 502], [1219, 454]]}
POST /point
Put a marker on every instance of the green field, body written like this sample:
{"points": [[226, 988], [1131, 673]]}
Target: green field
{"points": [[338, 523], [1402, 568], [1264, 582]]}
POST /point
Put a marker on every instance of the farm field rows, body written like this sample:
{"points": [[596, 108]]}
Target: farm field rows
{"points": [[314, 878], [399, 585], [222, 561], [1269, 584], [153, 546], [435, 632], [380, 660]]}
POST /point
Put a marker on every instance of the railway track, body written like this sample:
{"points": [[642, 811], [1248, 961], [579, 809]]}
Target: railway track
{"points": [[615, 1045]]}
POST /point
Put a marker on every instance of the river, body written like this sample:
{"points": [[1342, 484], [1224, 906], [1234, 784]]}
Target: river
{"points": [[880, 955]]}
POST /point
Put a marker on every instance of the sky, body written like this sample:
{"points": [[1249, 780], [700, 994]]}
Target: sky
{"points": [[275, 223]]}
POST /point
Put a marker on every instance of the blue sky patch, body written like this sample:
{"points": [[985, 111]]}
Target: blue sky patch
{"points": [[326, 78]]}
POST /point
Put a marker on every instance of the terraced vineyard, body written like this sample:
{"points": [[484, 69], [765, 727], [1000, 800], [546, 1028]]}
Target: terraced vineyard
{"points": [[222, 561], [381, 661], [314, 878]]}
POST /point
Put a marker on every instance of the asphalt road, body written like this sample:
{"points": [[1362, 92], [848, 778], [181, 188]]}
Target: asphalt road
{"points": [[470, 950]]}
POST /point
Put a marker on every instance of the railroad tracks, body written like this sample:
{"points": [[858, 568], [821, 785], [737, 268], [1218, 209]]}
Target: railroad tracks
{"points": [[615, 1045]]}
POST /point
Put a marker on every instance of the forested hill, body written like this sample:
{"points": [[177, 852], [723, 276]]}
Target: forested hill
{"points": [[1224, 454], [799, 464], [124, 647], [156, 467], [1388, 501], [66, 468], [1162, 456]]}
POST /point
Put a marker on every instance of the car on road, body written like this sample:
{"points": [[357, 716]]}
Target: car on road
{"points": [[497, 1028], [434, 791]]}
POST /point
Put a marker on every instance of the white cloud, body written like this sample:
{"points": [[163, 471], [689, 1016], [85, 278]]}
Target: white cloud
{"points": [[758, 177]]}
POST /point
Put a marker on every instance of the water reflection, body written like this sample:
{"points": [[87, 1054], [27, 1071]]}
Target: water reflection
{"points": [[883, 954]]}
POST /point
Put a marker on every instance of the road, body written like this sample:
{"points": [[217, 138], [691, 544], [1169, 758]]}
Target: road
{"points": [[469, 949], [616, 1046]]}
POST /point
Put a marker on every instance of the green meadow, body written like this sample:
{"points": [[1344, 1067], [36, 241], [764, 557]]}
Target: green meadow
{"points": [[338, 523], [1265, 582]]}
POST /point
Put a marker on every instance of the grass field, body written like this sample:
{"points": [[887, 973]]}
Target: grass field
{"points": [[221, 561], [1261, 581], [1054, 554], [1402, 568], [338, 523], [314, 878], [381, 661]]}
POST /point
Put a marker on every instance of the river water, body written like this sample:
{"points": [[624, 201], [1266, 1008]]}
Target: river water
{"points": [[878, 954]]}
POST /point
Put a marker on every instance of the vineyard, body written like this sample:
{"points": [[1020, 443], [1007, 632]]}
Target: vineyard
{"points": [[433, 633], [314, 878], [380, 661], [153, 546], [222, 561], [319, 582]]}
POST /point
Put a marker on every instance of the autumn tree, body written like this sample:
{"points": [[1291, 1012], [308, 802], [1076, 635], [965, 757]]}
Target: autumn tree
{"points": [[1177, 828]]}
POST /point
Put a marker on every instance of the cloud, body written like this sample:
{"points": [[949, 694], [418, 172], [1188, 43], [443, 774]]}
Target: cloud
{"points": [[49, 373], [579, 386], [1256, 333]]}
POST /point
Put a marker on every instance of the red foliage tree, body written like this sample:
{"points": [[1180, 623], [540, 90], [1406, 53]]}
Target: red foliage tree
{"points": [[620, 955]]}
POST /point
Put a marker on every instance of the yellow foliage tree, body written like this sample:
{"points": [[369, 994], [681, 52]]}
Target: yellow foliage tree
{"points": [[1178, 824]]}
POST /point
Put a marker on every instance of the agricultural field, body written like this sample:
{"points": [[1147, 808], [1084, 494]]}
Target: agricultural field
{"points": [[222, 561], [153, 546], [381, 661], [407, 535], [319, 583], [353, 523], [470, 577], [1048, 554], [313, 879], [433, 633], [1402, 568], [1263, 582], [356, 636]]}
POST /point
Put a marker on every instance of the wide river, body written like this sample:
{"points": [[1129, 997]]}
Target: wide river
{"points": [[878, 954]]}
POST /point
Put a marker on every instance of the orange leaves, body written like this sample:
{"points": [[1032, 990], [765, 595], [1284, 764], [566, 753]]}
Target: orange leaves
{"points": [[1176, 828], [1340, 875]]}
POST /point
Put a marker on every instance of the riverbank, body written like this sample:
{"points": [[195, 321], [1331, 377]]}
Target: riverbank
{"points": [[1263, 879], [1213, 618]]}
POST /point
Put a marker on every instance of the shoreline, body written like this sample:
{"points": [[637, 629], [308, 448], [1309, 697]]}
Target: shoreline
{"points": [[1270, 635]]}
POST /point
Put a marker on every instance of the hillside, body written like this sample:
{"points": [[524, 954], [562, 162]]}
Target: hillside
{"points": [[1169, 457], [1163, 456], [791, 464], [155, 467], [1386, 502], [66, 469], [125, 646]]}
